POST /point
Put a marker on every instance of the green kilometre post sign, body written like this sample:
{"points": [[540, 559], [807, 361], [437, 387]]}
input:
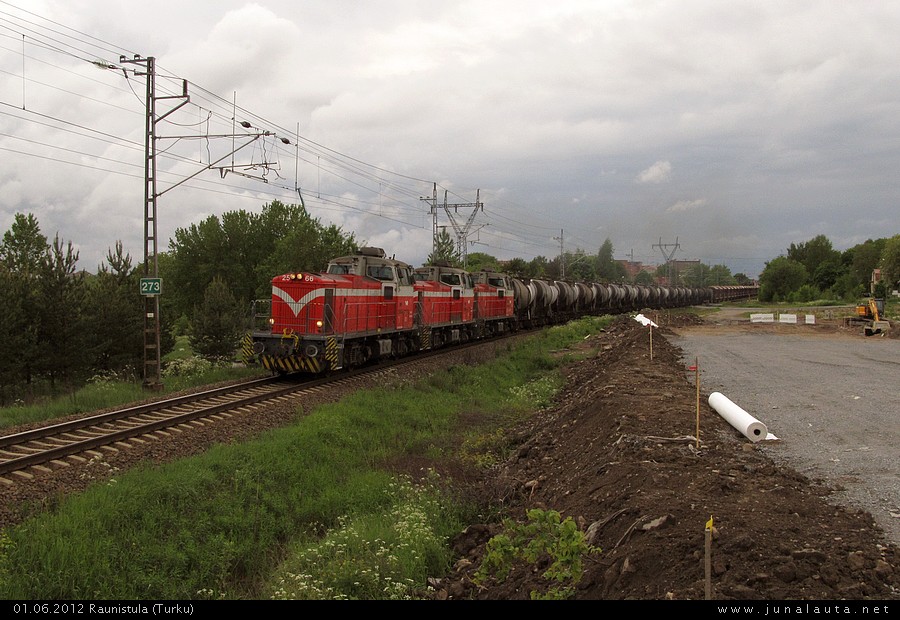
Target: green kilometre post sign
{"points": [[151, 286]]}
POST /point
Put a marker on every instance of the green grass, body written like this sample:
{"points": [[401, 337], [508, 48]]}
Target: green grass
{"points": [[373, 555], [181, 350], [181, 371], [308, 511]]}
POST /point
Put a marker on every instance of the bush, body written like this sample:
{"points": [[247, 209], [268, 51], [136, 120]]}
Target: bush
{"points": [[187, 367], [805, 293], [545, 535]]}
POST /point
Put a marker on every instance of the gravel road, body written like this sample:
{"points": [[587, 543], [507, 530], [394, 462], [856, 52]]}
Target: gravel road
{"points": [[831, 396]]}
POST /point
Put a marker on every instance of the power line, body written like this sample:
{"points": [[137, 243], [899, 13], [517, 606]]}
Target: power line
{"points": [[331, 179], [339, 166]]}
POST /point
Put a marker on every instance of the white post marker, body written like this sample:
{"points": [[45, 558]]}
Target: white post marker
{"points": [[647, 323], [696, 369]]}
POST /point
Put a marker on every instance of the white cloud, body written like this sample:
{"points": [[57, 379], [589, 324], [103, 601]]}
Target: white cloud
{"points": [[778, 114], [686, 205], [659, 172]]}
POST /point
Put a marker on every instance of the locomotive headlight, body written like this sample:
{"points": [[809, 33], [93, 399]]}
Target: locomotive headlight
{"points": [[271, 321], [319, 324]]}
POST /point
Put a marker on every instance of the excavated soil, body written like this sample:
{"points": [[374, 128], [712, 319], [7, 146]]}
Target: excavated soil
{"points": [[618, 454]]}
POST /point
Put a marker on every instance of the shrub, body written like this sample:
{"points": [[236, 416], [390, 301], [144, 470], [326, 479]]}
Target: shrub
{"points": [[187, 367], [545, 535]]}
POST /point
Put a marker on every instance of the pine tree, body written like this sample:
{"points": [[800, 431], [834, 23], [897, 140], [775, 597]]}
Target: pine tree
{"points": [[445, 250], [216, 324]]}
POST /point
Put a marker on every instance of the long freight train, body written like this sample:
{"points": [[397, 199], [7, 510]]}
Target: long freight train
{"points": [[367, 306]]}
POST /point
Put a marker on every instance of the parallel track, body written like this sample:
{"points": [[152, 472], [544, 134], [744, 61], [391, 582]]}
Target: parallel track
{"points": [[51, 444], [40, 450]]}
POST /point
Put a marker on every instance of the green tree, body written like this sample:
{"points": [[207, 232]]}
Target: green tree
{"points": [[890, 262], [23, 246], [113, 301], [644, 278], [200, 254], [169, 312], [21, 253], [445, 250], [780, 277], [250, 244], [516, 267], [701, 275], [580, 266], [847, 287], [307, 246], [720, 275], [538, 267], [696, 275], [476, 261], [217, 322], [608, 268], [864, 258], [61, 317], [14, 335], [247, 250], [813, 253], [827, 273]]}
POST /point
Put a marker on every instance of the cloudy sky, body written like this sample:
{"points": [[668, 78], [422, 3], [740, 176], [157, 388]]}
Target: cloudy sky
{"points": [[710, 130]]}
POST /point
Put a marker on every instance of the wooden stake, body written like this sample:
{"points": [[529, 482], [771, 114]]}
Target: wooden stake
{"points": [[697, 381], [708, 558], [651, 341]]}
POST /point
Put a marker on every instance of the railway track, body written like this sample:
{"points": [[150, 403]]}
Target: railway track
{"points": [[62, 444], [44, 450]]}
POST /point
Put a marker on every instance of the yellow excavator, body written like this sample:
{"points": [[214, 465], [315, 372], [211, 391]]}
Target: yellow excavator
{"points": [[870, 314]]}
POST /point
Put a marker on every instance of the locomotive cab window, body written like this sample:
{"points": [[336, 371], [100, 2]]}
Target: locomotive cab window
{"points": [[380, 272], [406, 278], [388, 293], [338, 270]]}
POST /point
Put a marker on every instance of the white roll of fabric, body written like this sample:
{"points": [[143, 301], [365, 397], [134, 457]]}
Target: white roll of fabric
{"points": [[750, 427]]}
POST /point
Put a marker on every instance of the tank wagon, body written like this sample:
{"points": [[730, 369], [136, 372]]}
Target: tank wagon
{"points": [[366, 307]]}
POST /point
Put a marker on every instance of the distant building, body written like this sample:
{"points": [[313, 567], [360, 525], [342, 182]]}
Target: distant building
{"points": [[632, 268], [876, 278], [679, 267]]}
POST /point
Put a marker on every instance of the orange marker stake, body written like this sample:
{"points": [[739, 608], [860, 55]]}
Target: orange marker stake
{"points": [[708, 558]]}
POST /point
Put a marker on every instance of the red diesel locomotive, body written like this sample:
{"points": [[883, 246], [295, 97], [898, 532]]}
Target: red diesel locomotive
{"points": [[361, 308], [366, 306]]}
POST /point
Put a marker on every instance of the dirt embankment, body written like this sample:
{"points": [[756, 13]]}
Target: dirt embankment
{"points": [[619, 454]]}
